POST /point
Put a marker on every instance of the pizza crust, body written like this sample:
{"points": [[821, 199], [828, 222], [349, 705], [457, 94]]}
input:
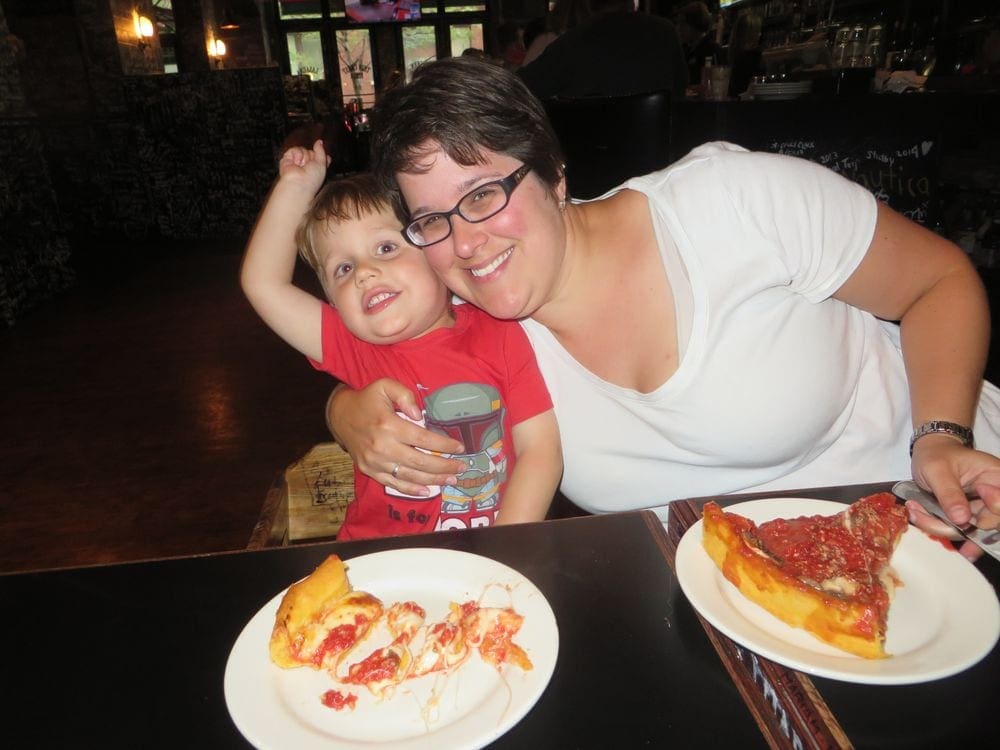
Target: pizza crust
{"points": [[313, 607], [847, 623]]}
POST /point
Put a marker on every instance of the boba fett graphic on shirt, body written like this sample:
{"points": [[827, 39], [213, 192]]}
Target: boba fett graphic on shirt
{"points": [[473, 414]]}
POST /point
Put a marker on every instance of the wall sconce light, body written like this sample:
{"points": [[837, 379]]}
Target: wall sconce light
{"points": [[216, 48], [143, 28], [216, 51]]}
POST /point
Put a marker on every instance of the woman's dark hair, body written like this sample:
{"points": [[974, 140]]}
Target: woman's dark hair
{"points": [[465, 106]]}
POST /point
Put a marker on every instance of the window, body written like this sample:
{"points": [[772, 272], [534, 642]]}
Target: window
{"points": [[418, 47], [464, 36], [305, 54], [163, 17], [355, 60], [372, 48]]}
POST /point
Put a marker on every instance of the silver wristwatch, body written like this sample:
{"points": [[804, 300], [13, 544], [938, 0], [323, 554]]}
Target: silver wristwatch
{"points": [[963, 433]]}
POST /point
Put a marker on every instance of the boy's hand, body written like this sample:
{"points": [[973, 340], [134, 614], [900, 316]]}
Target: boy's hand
{"points": [[304, 165]]}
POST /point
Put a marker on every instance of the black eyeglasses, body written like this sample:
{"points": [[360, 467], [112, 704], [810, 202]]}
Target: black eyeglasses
{"points": [[479, 204]]}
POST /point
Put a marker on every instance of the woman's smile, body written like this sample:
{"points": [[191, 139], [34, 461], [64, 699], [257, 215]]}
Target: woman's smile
{"points": [[493, 265]]}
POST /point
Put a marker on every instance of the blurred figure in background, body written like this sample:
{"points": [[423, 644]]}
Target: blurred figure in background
{"points": [[694, 22], [617, 51], [745, 55], [564, 15], [510, 48]]}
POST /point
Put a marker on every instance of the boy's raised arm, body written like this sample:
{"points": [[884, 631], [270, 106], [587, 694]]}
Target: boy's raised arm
{"points": [[537, 470], [269, 260]]}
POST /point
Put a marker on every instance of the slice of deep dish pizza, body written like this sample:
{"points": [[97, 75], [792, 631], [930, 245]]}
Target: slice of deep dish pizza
{"points": [[321, 619], [828, 575]]}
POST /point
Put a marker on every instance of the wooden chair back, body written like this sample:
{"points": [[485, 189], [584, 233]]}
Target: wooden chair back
{"points": [[308, 500]]}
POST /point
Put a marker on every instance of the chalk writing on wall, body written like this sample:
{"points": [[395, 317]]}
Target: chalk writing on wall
{"points": [[899, 173]]}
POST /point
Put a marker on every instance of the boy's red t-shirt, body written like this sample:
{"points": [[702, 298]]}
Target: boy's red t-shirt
{"points": [[473, 381]]}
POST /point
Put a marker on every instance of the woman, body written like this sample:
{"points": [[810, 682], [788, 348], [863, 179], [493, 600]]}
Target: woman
{"points": [[712, 328]]}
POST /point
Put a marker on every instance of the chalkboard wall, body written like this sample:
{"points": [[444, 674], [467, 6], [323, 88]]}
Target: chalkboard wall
{"points": [[34, 255], [912, 151], [191, 157], [889, 144], [899, 170]]}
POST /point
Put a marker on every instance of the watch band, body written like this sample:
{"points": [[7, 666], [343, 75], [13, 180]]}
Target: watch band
{"points": [[963, 433]]}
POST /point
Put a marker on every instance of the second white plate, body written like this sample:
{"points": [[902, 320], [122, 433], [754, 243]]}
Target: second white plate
{"points": [[944, 618], [277, 709]]}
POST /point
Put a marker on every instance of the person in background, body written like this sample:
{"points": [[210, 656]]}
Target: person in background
{"points": [[694, 22], [541, 32], [389, 315], [745, 55], [718, 326], [510, 45], [617, 51]]}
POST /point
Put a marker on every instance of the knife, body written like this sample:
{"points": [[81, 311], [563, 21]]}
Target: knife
{"points": [[988, 540]]}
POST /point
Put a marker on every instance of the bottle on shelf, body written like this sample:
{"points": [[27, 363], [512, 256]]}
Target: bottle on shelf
{"points": [[894, 46], [873, 57], [706, 77], [914, 45], [856, 46], [840, 43], [927, 58]]}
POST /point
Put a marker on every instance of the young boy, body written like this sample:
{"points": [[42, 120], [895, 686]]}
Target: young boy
{"points": [[390, 316]]}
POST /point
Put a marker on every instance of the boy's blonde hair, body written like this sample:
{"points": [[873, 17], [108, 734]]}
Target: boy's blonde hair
{"points": [[344, 199]]}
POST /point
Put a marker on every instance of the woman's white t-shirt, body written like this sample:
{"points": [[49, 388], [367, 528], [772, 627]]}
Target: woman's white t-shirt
{"points": [[779, 386]]}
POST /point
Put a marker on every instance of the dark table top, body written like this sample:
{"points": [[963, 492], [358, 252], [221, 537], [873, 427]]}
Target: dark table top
{"points": [[134, 655]]}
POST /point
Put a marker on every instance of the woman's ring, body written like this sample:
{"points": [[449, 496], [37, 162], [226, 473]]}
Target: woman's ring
{"points": [[395, 470]]}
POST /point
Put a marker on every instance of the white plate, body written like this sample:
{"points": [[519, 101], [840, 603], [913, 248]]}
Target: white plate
{"points": [[944, 618], [276, 709]]}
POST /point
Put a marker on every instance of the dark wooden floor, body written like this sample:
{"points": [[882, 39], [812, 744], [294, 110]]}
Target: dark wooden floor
{"points": [[145, 414]]}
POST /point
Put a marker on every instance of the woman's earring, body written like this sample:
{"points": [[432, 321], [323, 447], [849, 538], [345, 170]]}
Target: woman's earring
{"points": [[562, 205]]}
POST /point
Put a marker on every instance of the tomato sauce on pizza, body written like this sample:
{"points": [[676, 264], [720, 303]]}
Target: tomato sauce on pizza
{"points": [[827, 574], [321, 622]]}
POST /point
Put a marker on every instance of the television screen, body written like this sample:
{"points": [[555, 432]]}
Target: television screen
{"points": [[376, 11]]}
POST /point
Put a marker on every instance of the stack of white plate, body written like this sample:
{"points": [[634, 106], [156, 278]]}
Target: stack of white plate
{"points": [[780, 90]]}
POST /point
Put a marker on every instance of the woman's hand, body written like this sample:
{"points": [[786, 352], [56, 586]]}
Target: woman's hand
{"points": [[953, 474], [386, 446]]}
